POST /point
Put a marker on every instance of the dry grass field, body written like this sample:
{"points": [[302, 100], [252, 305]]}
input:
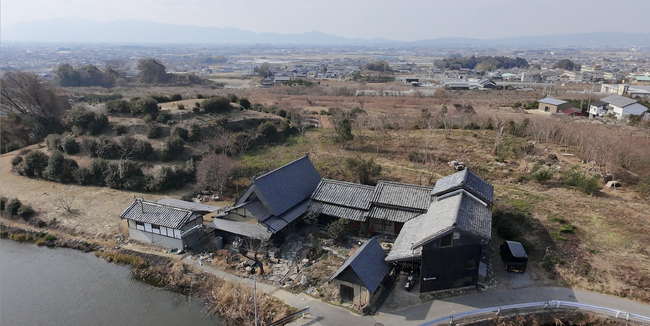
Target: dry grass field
{"points": [[597, 242]]}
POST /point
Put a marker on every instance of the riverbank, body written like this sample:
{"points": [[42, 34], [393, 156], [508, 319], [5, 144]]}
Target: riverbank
{"points": [[228, 300]]}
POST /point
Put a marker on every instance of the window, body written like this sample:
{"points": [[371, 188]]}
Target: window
{"points": [[547, 109], [155, 228], [139, 225], [446, 241]]}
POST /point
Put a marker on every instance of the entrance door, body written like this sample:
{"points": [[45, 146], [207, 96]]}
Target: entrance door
{"points": [[347, 293]]}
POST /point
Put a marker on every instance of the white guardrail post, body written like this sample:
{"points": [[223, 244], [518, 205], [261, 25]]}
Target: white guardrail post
{"points": [[553, 304]]}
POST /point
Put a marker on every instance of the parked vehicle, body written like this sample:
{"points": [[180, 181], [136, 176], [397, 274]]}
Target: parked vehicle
{"points": [[410, 282], [514, 256]]}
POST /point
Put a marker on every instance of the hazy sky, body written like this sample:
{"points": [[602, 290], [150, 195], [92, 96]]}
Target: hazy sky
{"points": [[397, 20]]}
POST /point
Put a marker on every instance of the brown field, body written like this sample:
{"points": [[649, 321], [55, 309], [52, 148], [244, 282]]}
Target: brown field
{"points": [[607, 252]]}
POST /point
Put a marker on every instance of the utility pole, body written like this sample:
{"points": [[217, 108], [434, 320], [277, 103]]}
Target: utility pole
{"points": [[255, 298]]}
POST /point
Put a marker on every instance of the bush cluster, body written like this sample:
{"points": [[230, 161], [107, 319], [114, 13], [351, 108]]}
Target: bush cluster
{"points": [[16, 208], [217, 104], [81, 120], [579, 179]]}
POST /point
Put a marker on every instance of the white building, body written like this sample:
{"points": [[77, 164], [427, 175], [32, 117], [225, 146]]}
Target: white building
{"points": [[622, 107]]}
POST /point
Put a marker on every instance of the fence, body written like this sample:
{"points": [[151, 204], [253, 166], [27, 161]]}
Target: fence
{"points": [[553, 304], [289, 318]]}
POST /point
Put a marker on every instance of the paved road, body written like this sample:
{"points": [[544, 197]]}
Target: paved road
{"points": [[323, 314]]}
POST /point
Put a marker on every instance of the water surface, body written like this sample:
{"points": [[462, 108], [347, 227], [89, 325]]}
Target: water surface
{"points": [[44, 286]]}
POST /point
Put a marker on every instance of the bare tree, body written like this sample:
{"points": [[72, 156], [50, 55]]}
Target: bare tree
{"points": [[218, 139], [253, 248], [213, 171], [27, 94], [300, 118], [65, 204]]}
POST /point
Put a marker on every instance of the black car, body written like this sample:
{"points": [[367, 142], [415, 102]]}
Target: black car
{"points": [[514, 256]]}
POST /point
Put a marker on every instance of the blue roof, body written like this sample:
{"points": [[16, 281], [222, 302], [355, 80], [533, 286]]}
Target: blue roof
{"points": [[276, 223], [368, 263], [285, 187], [466, 180]]}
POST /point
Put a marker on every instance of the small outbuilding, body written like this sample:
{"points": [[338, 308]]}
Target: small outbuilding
{"points": [[551, 105], [168, 223], [360, 279]]}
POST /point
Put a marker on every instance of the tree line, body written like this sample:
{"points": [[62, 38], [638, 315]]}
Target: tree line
{"points": [[482, 63]]}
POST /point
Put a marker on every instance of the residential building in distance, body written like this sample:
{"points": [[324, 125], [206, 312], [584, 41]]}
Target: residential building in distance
{"points": [[551, 105]]}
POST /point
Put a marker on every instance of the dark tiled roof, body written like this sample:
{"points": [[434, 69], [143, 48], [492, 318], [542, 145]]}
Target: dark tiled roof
{"points": [[402, 195], [276, 223], [246, 229], [257, 209], [284, 187], [195, 207], [368, 263], [466, 180], [458, 211], [395, 214], [156, 213], [343, 193], [353, 214]]}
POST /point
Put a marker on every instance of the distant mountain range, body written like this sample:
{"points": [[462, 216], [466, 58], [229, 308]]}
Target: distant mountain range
{"points": [[62, 30]]}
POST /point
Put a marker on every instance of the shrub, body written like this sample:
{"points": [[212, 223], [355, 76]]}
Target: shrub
{"points": [[163, 118], [81, 120], [282, 113], [180, 132], [142, 106], [579, 179], [549, 263], [13, 206], [59, 168], [70, 145], [216, 104], [50, 237], [33, 164], [16, 160], [364, 169], [53, 142], [181, 106], [153, 130], [543, 174], [171, 177], [117, 106], [194, 133], [416, 157], [108, 150], [120, 130], [124, 175], [92, 175], [176, 97], [196, 109], [267, 130], [90, 146], [172, 149], [142, 150], [26, 211], [566, 228], [338, 230], [245, 103], [3, 203]]}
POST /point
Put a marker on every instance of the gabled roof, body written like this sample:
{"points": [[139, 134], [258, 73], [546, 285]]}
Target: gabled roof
{"points": [[368, 263], [619, 101], [195, 207], [457, 211], [466, 180], [284, 187], [402, 195], [156, 213], [551, 101], [394, 214]]}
